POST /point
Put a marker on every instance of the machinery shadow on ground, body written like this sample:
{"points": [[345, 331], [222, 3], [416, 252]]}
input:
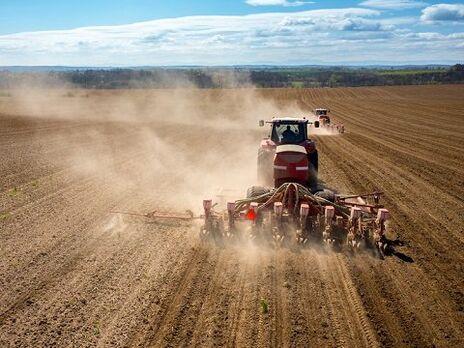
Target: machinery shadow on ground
{"points": [[403, 257]]}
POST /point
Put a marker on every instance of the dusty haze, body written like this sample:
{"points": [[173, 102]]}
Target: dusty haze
{"points": [[195, 142]]}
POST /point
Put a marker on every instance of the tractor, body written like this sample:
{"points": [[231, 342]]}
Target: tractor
{"points": [[322, 116], [287, 154], [290, 207]]}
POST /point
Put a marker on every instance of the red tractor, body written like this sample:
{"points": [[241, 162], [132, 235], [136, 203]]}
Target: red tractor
{"points": [[287, 154], [323, 116]]}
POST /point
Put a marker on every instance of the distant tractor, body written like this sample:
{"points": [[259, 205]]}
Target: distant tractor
{"points": [[287, 154], [323, 116]]}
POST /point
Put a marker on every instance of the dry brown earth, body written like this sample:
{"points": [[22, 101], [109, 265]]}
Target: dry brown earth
{"points": [[72, 274]]}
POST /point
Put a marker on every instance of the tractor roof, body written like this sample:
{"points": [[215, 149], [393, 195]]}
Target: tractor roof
{"points": [[289, 119]]}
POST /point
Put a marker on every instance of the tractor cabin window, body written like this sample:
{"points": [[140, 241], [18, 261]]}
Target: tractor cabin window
{"points": [[288, 133]]}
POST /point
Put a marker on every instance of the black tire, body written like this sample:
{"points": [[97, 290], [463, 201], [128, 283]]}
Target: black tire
{"points": [[314, 160], [265, 167], [312, 180], [313, 168], [255, 191]]}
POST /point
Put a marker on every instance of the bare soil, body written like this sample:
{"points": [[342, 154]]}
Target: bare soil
{"points": [[74, 274]]}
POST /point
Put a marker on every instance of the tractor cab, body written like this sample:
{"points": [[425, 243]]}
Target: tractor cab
{"points": [[288, 154], [321, 112], [289, 130]]}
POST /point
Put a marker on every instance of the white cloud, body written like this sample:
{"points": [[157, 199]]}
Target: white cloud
{"points": [[433, 36], [309, 37], [285, 3], [443, 13], [393, 4]]}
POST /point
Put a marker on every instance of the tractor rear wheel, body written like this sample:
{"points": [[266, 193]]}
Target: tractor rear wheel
{"points": [[313, 168], [312, 179], [314, 160]]}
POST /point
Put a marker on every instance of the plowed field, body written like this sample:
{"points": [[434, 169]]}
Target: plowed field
{"points": [[72, 273]]}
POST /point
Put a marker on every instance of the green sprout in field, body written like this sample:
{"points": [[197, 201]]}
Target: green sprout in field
{"points": [[96, 328], [264, 306], [4, 215], [14, 192]]}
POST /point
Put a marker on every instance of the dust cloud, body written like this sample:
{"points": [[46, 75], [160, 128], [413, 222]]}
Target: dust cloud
{"points": [[173, 147], [323, 131]]}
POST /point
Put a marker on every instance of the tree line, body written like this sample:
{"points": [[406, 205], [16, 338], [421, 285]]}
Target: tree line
{"points": [[264, 77]]}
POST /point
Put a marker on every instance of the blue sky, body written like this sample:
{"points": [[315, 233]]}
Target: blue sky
{"points": [[208, 32]]}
